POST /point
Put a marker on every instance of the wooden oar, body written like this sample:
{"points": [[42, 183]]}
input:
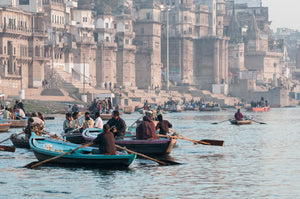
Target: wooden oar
{"points": [[136, 120], [9, 137], [219, 122], [140, 154], [35, 163], [258, 122], [204, 142], [7, 148]]}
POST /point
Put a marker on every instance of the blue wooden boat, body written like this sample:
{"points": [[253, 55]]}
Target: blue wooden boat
{"points": [[45, 148], [162, 146]]}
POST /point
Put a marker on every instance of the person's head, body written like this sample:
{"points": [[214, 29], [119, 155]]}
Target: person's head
{"points": [[97, 114], [34, 114], [160, 117], [30, 120], [106, 128], [75, 115], [87, 114], [68, 116], [238, 110], [116, 114]]}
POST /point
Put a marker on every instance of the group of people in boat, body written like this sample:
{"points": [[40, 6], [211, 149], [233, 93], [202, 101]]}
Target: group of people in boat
{"points": [[261, 103], [16, 112], [102, 106], [115, 128], [36, 120]]}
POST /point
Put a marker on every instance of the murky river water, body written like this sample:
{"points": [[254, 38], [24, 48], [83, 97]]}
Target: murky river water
{"points": [[257, 161]]}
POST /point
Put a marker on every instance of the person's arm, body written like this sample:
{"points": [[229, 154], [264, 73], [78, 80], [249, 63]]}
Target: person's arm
{"points": [[170, 125]]}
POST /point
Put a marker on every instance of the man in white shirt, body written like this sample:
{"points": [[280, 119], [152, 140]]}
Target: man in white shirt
{"points": [[21, 114], [98, 121]]}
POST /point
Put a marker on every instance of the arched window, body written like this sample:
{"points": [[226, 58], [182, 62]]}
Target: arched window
{"points": [[37, 51]]}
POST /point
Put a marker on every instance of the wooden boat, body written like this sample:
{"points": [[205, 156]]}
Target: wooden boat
{"points": [[155, 147], [207, 107], [258, 109], [16, 123], [4, 126], [45, 148], [19, 141], [106, 116], [240, 122], [128, 109]]}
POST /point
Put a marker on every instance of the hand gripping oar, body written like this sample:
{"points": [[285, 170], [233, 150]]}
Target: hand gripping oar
{"points": [[140, 154], [35, 163], [204, 141]]}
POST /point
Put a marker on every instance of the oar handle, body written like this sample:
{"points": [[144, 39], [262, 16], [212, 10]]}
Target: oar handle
{"points": [[140, 154], [61, 155]]}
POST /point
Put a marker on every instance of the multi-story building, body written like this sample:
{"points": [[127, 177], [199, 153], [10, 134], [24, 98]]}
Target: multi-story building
{"points": [[125, 35], [147, 28], [22, 60], [106, 50]]}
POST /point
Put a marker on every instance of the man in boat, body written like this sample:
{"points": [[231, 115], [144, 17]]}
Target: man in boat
{"points": [[36, 119], [106, 142], [29, 127], [163, 125], [89, 122], [68, 124], [238, 115], [7, 114], [98, 121], [20, 112], [118, 123], [146, 130], [75, 121]]}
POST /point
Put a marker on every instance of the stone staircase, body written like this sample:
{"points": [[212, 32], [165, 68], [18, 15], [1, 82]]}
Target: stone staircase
{"points": [[35, 93]]}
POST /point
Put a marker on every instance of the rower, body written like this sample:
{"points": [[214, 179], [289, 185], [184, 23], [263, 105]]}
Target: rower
{"points": [[106, 142], [238, 115]]}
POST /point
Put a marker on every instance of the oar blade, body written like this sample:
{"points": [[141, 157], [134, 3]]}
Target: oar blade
{"points": [[7, 148], [212, 142], [30, 164]]}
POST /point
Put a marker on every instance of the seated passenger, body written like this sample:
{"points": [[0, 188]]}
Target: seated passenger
{"points": [[106, 141], [146, 130], [163, 125]]}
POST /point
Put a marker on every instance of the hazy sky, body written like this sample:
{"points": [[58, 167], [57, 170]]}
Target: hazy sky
{"points": [[283, 13]]}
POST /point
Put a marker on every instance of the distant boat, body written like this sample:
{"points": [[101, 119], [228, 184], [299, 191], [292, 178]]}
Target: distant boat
{"points": [[16, 123], [258, 109], [4, 126], [240, 122], [210, 107]]}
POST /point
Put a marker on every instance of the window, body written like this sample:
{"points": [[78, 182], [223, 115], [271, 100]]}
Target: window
{"points": [[14, 50], [106, 25], [142, 30], [84, 19], [107, 39], [126, 41], [23, 2], [126, 27], [115, 26], [148, 15], [4, 49], [190, 30], [185, 18], [37, 51]]}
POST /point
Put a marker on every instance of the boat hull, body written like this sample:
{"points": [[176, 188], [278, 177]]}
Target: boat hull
{"points": [[258, 109], [16, 123], [45, 148], [18, 142], [240, 122], [4, 127], [162, 146]]}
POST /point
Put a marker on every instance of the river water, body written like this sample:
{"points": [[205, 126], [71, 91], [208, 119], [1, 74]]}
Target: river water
{"points": [[257, 161]]}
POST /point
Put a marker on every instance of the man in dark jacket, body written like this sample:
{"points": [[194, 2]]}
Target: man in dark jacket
{"points": [[163, 125], [117, 124], [146, 130], [106, 141]]}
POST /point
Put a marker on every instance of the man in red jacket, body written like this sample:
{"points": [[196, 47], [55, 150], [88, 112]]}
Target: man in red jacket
{"points": [[238, 115]]}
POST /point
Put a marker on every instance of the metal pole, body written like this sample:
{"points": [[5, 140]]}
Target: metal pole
{"points": [[168, 58]]}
